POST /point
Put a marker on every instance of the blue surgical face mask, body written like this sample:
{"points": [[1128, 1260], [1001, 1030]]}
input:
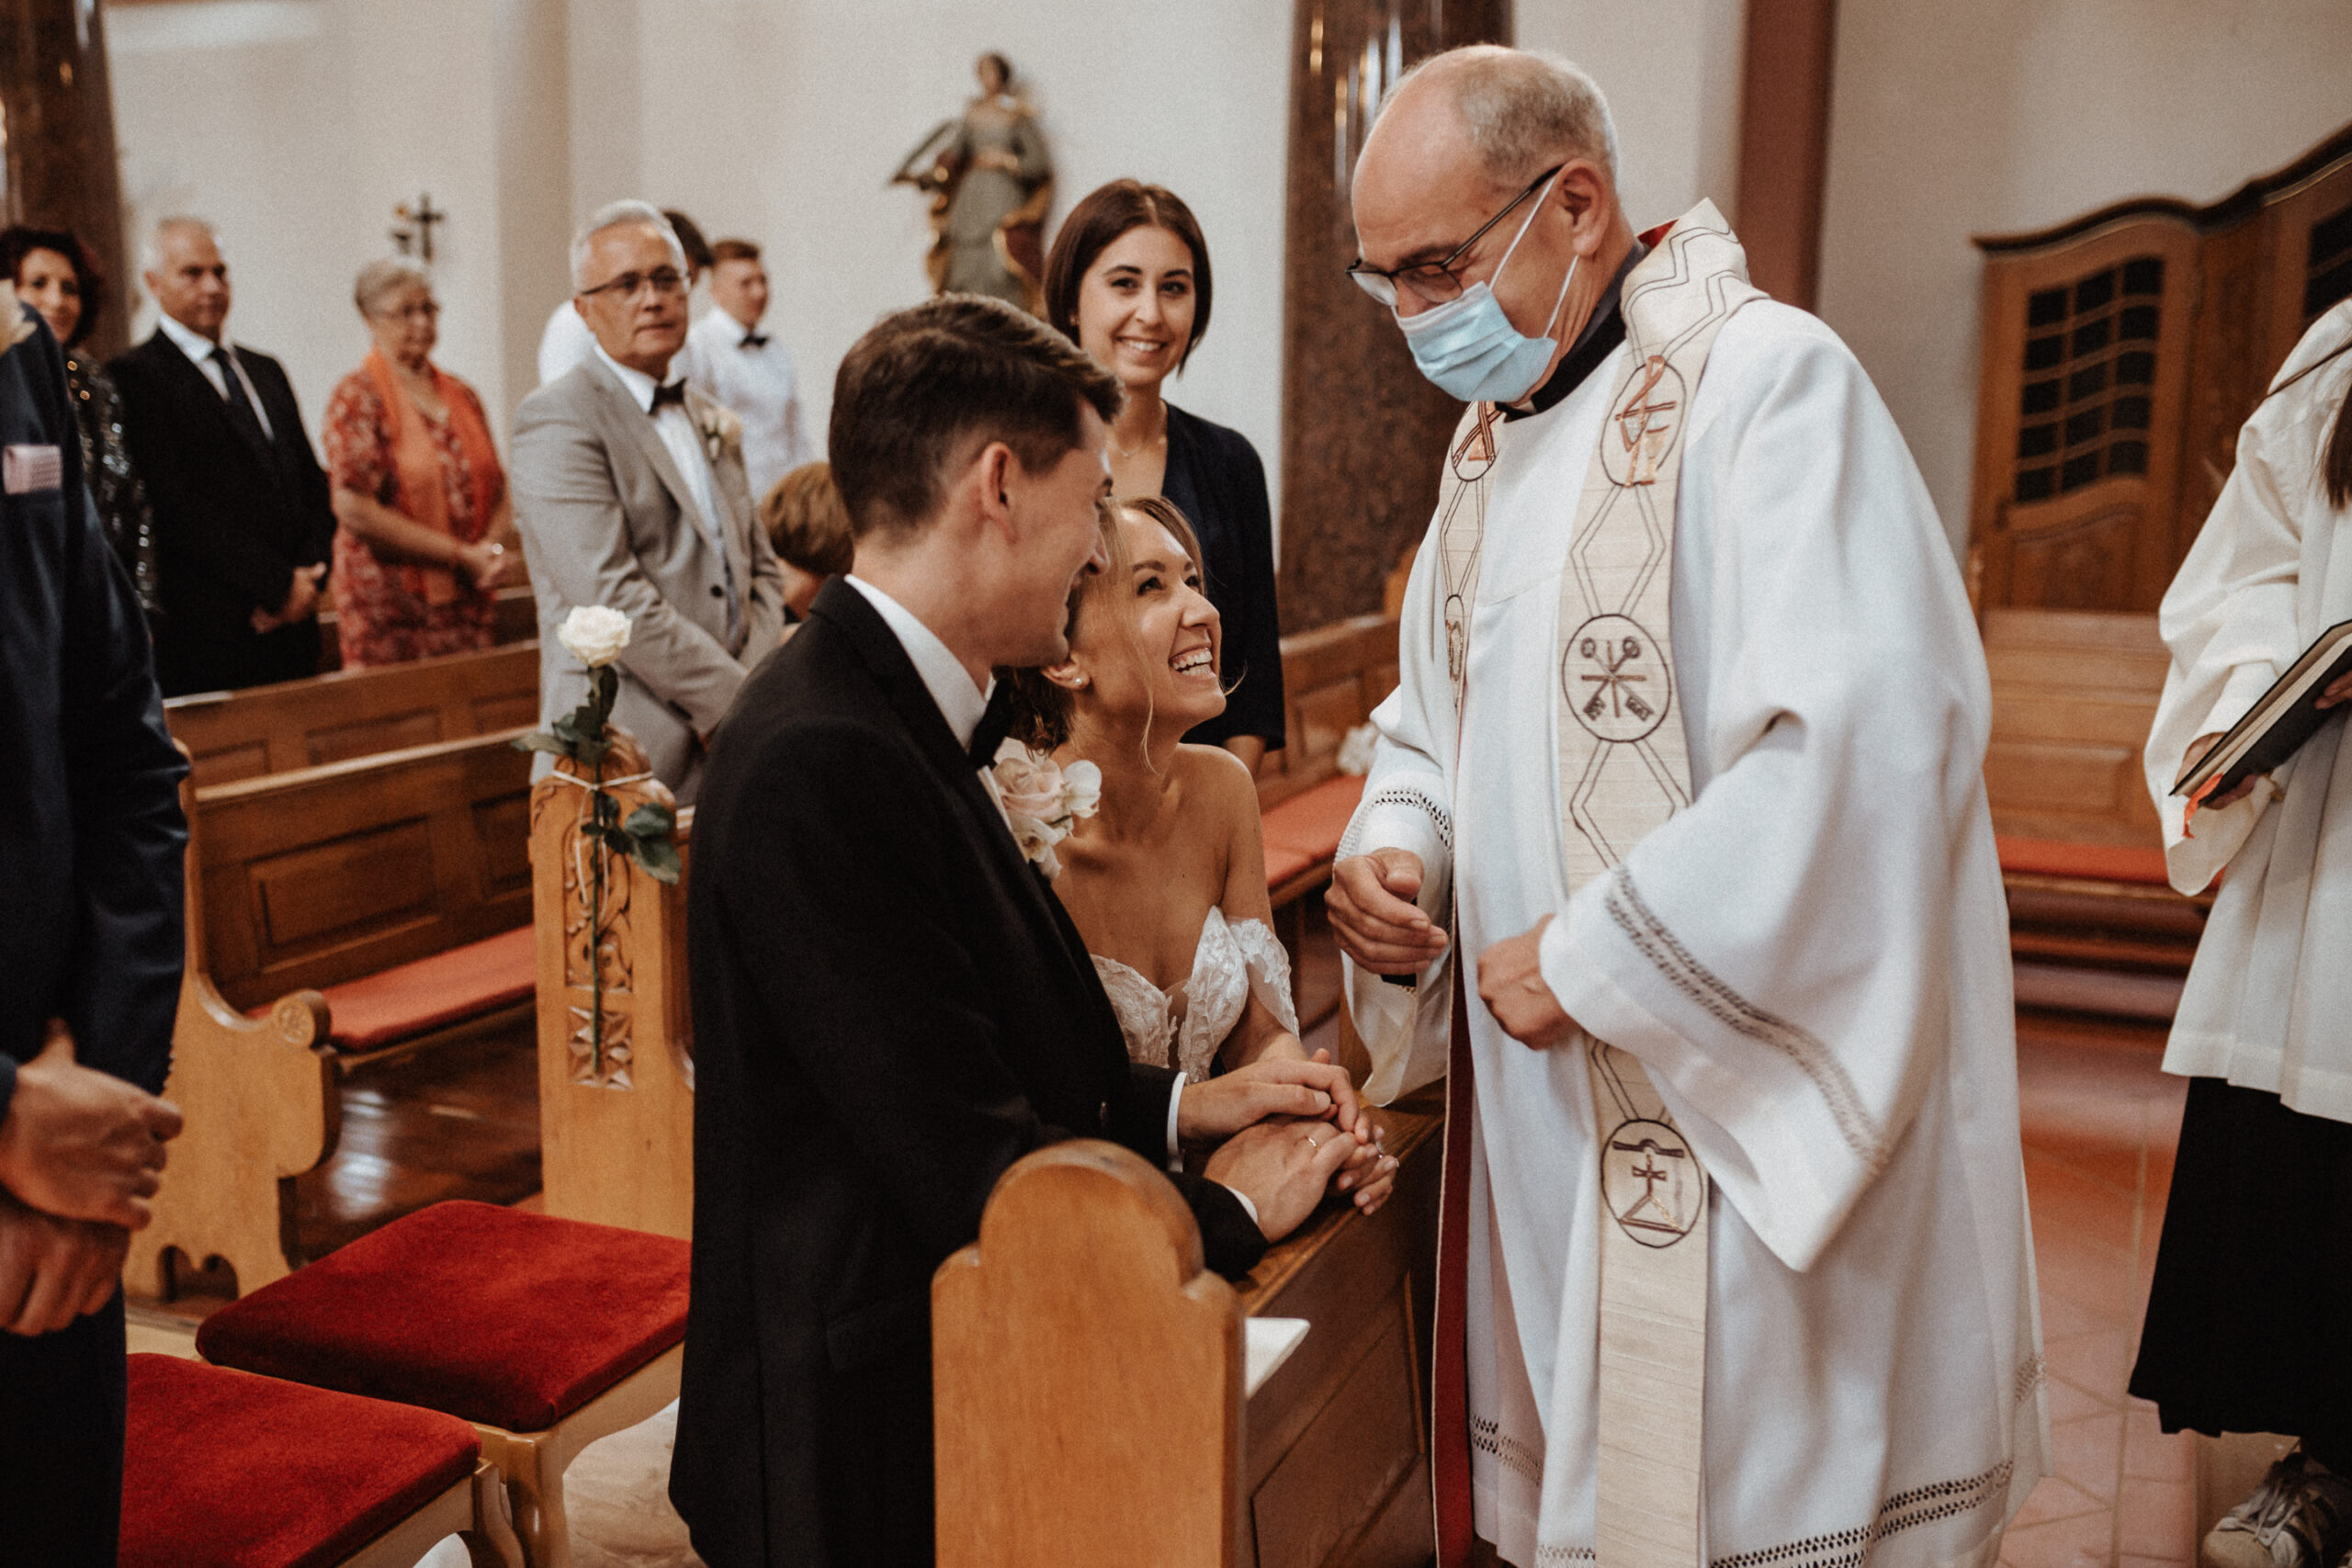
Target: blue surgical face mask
{"points": [[1467, 346]]}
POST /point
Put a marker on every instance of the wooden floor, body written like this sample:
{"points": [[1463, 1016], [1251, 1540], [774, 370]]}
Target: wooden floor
{"points": [[2099, 1124]]}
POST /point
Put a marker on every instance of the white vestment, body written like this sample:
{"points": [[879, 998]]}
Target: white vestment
{"points": [[1826, 912], [2263, 581]]}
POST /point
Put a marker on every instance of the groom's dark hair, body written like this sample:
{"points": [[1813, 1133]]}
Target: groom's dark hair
{"points": [[925, 384]]}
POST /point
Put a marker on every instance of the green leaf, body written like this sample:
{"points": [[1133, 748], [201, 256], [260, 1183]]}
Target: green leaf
{"points": [[658, 857], [539, 741], [652, 820]]}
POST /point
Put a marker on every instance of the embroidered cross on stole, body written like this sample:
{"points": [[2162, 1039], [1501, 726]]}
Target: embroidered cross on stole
{"points": [[1624, 768]]}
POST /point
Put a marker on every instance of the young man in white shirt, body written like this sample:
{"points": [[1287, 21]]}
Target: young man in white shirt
{"points": [[746, 369]]}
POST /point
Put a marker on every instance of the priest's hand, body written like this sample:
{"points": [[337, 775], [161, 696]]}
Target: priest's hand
{"points": [[81, 1144], [1511, 984], [1283, 1169], [2204, 743], [1218, 1108], [53, 1271], [1374, 914]]}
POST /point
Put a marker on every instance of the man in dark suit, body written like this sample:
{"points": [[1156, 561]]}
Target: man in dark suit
{"points": [[91, 861], [890, 1005], [242, 520]]}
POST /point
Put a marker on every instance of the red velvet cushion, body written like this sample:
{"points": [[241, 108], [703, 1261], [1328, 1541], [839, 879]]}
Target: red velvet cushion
{"points": [[2095, 863], [507, 1319], [434, 991], [224, 1469], [1283, 865], [1312, 822]]}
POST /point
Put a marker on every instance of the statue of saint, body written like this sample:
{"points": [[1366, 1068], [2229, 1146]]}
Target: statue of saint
{"points": [[990, 181]]}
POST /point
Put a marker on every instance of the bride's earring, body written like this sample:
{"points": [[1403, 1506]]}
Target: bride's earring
{"points": [[1067, 675]]}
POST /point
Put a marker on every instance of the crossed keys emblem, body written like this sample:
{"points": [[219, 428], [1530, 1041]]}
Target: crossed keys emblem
{"points": [[1615, 678], [1645, 425], [1615, 683]]}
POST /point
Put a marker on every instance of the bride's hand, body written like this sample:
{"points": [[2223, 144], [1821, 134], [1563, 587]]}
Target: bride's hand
{"points": [[1216, 1109], [1369, 1177], [1282, 1168]]}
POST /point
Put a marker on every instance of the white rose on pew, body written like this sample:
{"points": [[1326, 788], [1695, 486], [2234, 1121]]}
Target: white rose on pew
{"points": [[1043, 800], [594, 634]]}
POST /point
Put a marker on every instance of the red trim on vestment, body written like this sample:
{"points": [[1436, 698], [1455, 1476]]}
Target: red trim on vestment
{"points": [[1449, 1399]]}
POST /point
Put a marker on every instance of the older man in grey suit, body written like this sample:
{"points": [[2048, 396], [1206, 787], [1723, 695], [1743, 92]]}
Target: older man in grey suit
{"points": [[629, 492]]}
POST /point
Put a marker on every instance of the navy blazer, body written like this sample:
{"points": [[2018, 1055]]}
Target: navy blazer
{"points": [[91, 853], [1216, 481], [890, 1007]]}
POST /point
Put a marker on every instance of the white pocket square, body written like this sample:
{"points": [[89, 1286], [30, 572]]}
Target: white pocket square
{"points": [[27, 469]]}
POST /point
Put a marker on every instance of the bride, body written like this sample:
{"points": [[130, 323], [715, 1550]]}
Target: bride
{"points": [[1166, 880]]}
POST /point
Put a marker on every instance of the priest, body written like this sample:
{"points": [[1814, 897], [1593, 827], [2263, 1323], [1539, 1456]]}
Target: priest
{"points": [[1675, 860]]}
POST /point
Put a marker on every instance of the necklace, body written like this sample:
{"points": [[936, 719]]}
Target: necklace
{"points": [[1129, 454]]}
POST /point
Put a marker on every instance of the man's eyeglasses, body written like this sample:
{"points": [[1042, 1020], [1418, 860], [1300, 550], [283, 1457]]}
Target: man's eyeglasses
{"points": [[1434, 283], [630, 285]]}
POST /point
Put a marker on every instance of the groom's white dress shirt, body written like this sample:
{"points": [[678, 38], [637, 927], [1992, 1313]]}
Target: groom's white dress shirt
{"points": [[961, 703]]}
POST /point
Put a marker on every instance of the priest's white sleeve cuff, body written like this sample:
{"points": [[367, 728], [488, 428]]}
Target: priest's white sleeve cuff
{"points": [[2239, 693], [1175, 1105]]}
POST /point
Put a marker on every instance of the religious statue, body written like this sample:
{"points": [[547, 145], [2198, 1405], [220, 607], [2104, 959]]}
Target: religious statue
{"points": [[990, 181]]}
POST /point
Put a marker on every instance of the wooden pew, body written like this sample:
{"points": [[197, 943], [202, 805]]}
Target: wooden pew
{"points": [[355, 713], [2082, 853], [1081, 1352], [616, 1115], [259, 1098]]}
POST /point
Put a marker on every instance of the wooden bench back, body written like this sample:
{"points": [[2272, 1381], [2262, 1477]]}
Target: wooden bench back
{"points": [[515, 618], [615, 1112], [323, 875], [355, 713], [1332, 679], [2074, 694]]}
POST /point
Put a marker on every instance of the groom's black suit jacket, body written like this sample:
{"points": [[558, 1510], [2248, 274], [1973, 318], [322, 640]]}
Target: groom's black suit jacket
{"points": [[890, 1007]]}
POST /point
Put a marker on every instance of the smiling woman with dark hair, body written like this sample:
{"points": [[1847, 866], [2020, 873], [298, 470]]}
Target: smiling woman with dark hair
{"points": [[1129, 282], [52, 271]]}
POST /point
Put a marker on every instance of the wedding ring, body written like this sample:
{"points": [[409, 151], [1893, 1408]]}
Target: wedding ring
{"points": [[1311, 1141]]}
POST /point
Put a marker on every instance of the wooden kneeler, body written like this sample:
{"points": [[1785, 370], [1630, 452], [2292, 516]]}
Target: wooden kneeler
{"points": [[259, 1098], [1079, 1350]]}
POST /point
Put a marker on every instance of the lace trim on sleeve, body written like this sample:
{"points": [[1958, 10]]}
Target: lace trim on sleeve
{"points": [[1269, 968], [1398, 795]]}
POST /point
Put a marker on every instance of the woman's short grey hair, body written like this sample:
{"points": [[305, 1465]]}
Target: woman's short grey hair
{"points": [[379, 280], [1526, 110], [617, 214]]}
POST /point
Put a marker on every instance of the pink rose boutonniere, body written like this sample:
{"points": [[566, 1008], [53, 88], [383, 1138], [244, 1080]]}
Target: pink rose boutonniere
{"points": [[1043, 800]]}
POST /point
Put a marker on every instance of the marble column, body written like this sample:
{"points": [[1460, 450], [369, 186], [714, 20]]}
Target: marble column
{"points": [[57, 154], [1362, 433]]}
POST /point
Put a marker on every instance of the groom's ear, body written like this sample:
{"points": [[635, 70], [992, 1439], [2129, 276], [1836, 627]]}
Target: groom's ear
{"points": [[994, 475]]}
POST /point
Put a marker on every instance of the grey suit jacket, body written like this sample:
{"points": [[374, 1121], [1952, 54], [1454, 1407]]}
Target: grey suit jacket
{"points": [[606, 519]]}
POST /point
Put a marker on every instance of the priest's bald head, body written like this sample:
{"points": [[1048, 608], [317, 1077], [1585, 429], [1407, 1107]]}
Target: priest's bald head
{"points": [[1494, 166]]}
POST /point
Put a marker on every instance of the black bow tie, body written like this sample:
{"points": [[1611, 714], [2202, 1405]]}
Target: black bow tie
{"points": [[675, 392], [755, 340], [996, 723]]}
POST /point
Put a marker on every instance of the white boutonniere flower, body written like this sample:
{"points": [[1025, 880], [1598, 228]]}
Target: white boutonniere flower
{"points": [[1043, 800], [23, 327], [595, 633], [721, 430]]}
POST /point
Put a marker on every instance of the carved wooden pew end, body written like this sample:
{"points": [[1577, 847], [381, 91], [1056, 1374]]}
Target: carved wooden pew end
{"points": [[1080, 1350]]}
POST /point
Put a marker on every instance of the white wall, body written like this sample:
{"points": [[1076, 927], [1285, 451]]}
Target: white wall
{"points": [[781, 122], [1670, 69], [2006, 115], [296, 126]]}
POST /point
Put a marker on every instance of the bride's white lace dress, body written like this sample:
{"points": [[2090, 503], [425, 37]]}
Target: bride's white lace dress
{"points": [[1183, 1028]]}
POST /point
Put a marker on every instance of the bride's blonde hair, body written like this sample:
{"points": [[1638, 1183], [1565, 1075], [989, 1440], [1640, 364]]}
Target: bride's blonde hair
{"points": [[1043, 712]]}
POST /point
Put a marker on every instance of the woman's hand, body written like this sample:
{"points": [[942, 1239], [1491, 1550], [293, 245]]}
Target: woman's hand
{"points": [[1282, 1167], [1221, 1107], [1369, 1175], [483, 563], [2336, 693]]}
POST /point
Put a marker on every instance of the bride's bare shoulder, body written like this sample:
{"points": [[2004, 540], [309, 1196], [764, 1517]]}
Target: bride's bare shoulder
{"points": [[1221, 778]]}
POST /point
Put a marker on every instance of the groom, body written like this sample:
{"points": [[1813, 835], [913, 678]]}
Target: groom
{"points": [[890, 1005]]}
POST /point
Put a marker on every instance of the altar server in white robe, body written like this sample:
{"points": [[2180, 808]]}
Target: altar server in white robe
{"points": [[1777, 896], [2249, 1326]]}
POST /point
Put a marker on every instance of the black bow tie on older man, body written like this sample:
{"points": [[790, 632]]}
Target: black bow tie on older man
{"points": [[675, 392]]}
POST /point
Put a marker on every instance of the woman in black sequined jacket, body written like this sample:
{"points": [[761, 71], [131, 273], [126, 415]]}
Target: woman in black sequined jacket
{"points": [[52, 273]]}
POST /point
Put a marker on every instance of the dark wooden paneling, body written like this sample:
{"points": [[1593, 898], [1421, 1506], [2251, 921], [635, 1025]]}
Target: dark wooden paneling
{"points": [[1784, 144], [57, 156], [1362, 433]]}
